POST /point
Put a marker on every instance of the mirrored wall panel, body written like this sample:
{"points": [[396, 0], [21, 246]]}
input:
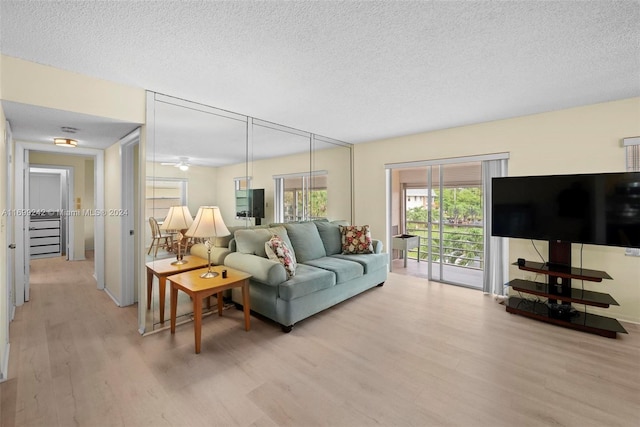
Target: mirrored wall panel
{"points": [[255, 171]]}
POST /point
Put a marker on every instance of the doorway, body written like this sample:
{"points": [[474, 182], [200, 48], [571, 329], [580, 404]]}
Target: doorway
{"points": [[49, 233], [92, 201], [441, 204], [438, 219]]}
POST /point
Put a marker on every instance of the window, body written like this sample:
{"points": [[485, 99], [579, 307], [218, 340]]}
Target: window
{"points": [[162, 193], [301, 197], [242, 183]]}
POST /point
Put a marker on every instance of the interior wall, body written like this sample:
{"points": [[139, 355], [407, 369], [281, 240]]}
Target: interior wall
{"points": [[577, 140], [36, 84], [113, 223], [78, 165]]}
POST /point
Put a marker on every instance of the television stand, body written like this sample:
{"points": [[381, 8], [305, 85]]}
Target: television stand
{"points": [[560, 295]]}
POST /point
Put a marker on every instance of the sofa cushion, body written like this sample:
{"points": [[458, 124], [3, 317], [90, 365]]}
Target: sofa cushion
{"points": [[306, 241], [252, 240], [331, 237], [344, 270], [278, 250], [356, 239], [370, 262], [307, 280], [223, 241]]}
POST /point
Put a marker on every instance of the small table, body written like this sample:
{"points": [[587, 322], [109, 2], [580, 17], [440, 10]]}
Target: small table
{"points": [[405, 242], [161, 268], [199, 288]]}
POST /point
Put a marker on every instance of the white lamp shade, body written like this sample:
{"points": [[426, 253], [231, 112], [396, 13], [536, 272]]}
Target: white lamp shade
{"points": [[178, 218], [208, 223]]}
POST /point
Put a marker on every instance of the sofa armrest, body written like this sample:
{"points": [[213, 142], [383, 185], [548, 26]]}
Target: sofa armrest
{"points": [[377, 246], [261, 269], [218, 254]]}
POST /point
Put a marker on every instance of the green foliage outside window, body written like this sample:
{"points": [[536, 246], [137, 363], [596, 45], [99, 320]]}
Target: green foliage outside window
{"points": [[463, 234], [294, 204]]}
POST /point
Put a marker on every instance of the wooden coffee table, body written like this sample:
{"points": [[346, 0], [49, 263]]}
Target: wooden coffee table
{"points": [[198, 289], [161, 268]]}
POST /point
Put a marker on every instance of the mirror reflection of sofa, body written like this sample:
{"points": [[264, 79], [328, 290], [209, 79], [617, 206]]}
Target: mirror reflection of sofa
{"points": [[324, 275]]}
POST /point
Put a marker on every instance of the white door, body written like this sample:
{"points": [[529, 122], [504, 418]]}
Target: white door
{"points": [[130, 180], [21, 226]]}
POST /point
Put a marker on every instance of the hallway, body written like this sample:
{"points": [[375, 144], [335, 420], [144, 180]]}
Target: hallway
{"points": [[62, 340]]}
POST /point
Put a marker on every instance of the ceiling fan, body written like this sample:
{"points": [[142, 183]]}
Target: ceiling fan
{"points": [[183, 163]]}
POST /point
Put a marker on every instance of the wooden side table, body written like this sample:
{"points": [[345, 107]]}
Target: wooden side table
{"points": [[162, 268], [198, 289]]}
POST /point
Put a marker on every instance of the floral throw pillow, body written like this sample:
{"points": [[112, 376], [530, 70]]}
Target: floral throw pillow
{"points": [[278, 250], [356, 239]]}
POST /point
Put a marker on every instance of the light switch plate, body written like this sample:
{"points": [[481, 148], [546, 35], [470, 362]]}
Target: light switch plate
{"points": [[632, 252]]}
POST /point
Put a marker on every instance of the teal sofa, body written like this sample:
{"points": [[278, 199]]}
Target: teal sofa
{"points": [[324, 276]]}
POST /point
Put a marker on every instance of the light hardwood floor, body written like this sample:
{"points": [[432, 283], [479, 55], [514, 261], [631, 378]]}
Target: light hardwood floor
{"points": [[411, 353]]}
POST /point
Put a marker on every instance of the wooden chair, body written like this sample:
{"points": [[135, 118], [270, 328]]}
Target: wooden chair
{"points": [[158, 239]]}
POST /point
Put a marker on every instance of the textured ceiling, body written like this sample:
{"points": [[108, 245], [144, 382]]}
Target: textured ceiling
{"points": [[354, 71]]}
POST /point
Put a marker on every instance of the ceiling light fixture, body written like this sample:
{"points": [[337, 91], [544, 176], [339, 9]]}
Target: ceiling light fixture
{"points": [[182, 164], [65, 142]]}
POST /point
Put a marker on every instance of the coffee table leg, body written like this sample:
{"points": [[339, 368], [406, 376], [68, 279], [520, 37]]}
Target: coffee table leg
{"points": [[149, 287], [197, 316], [162, 284], [245, 303], [174, 307], [220, 306]]}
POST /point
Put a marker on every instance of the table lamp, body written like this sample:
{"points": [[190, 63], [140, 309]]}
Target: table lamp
{"points": [[179, 218], [208, 224]]}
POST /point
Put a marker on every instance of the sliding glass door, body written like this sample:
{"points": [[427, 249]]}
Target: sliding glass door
{"points": [[438, 221], [455, 224], [442, 204]]}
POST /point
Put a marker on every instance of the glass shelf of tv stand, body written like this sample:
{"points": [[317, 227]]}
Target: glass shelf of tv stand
{"points": [[580, 296], [563, 271], [583, 321]]}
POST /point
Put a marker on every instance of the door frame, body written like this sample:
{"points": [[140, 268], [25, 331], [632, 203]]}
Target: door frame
{"points": [[21, 155], [390, 167]]}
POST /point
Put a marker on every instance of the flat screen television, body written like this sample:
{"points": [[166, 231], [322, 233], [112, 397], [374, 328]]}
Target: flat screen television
{"points": [[597, 209]]}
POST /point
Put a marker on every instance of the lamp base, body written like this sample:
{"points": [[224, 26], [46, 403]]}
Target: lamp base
{"points": [[179, 262], [209, 275]]}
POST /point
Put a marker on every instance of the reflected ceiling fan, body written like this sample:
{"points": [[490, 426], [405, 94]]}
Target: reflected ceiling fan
{"points": [[182, 163]]}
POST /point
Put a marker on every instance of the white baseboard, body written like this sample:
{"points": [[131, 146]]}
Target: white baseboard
{"points": [[4, 371], [112, 297]]}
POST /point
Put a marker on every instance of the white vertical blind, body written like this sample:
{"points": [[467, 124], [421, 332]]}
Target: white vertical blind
{"points": [[633, 165], [496, 262], [633, 153]]}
